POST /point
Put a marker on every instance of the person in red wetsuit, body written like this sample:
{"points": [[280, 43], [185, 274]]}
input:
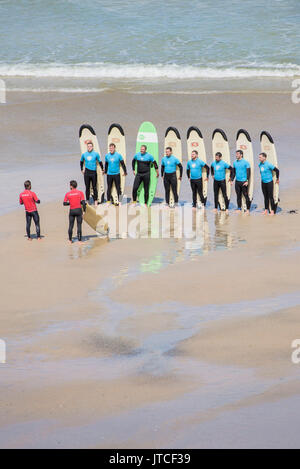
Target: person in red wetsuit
{"points": [[29, 199], [75, 199]]}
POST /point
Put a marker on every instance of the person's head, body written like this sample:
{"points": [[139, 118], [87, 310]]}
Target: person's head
{"points": [[143, 149], [27, 185], [194, 154], [112, 148], [168, 151], [262, 157], [218, 156], [73, 184], [90, 146], [239, 154]]}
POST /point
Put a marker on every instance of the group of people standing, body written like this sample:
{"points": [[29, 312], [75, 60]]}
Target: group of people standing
{"points": [[141, 165]]}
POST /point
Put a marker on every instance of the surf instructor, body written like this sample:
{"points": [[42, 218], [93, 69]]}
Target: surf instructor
{"points": [[75, 199], [144, 163], [89, 160], [169, 165], [241, 171], [267, 185]]}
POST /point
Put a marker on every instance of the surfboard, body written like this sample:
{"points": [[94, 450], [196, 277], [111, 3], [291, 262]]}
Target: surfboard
{"points": [[195, 142], [173, 140], [86, 134], [116, 135], [220, 143], [268, 147], [147, 135], [90, 216], [243, 142]]}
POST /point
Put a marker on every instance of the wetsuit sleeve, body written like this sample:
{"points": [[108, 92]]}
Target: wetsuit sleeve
{"points": [[66, 202], [233, 174], [123, 166], [212, 170], [101, 165], [276, 172], [35, 198], [180, 169], [231, 169], [106, 167], [188, 172], [162, 170], [155, 164], [248, 173], [81, 165], [207, 169], [82, 201], [133, 163]]}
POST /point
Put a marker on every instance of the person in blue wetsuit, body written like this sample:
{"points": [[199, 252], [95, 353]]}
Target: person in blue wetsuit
{"points": [[144, 162], [89, 160], [194, 173], [113, 161], [169, 165], [218, 171], [241, 171], [267, 186]]}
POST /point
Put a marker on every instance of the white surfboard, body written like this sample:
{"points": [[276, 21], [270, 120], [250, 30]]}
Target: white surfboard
{"points": [[195, 142], [173, 140], [116, 135], [268, 147], [243, 142], [86, 134], [95, 220], [220, 143]]}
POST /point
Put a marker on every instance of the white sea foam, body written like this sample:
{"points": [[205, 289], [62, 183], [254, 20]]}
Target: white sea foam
{"points": [[149, 72]]}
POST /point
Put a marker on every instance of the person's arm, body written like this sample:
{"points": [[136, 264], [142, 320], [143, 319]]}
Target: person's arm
{"points": [[133, 164], [21, 200], [101, 165], [83, 202], [212, 171], [35, 198], [277, 173], [162, 170], [231, 169], [106, 167], [81, 162], [66, 201], [248, 173], [155, 165], [207, 170], [180, 169], [123, 167], [233, 174], [188, 172]]}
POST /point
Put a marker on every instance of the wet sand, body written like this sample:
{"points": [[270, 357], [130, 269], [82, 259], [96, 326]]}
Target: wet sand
{"points": [[150, 342]]}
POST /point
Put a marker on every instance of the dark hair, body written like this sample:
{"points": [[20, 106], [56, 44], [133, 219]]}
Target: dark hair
{"points": [[73, 184], [112, 145], [89, 142], [219, 154], [240, 152], [27, 184], [263, 154], [195, 151], [145, 146], [169, 148]]}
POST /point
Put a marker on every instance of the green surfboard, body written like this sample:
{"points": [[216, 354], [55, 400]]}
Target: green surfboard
{"points": [[147, 135]]}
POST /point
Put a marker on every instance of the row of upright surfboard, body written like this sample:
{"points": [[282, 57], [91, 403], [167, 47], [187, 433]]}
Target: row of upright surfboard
{"points": [[147, 135]]}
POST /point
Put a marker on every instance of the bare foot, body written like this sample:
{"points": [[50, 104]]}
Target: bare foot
{"points": [[81, 242], [29, 239], [70, 241], [227, 211], [247, 212], [272, 213], [194, 208], [215, 210], [39, 239], [265, 212], [238, 210]]}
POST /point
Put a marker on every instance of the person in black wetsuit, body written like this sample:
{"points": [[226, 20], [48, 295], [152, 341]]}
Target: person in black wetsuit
{"points": [[144, 162]]}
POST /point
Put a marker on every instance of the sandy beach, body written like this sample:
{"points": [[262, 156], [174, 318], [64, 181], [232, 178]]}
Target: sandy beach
{"points": [[147, 342]]}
